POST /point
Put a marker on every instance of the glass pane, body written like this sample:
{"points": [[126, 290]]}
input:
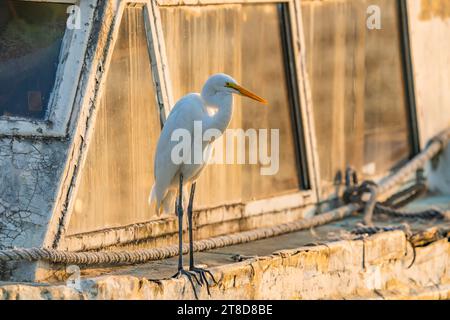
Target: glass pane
{"points": [[357, 87], [118, 173], [243, 41], [30, 40]]}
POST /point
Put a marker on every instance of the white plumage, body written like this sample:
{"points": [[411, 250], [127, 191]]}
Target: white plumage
{"points": [[216, 93]]}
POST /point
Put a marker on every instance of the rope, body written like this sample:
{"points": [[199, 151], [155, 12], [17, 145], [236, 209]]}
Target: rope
{"points": [[140, 256], [436, 145], [425, 214], [403, 197], [145, 255], [392, 205], [370, 230], [356, 193]]}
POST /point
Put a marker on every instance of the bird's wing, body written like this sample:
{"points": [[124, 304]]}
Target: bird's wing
{"points": [[190, 102], [187, 110]]}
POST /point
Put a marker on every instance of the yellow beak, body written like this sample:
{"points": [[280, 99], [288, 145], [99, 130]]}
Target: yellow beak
{"points": [[247, 93]]}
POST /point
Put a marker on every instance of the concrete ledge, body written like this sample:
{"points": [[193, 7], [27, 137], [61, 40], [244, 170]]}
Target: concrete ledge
{"points": [[373, 268]]}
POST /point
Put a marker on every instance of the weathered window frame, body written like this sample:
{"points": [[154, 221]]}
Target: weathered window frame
{"points": [[68, 72], [408, 73], [297, 205], [107, 21], [301, 114], [324, 197]]}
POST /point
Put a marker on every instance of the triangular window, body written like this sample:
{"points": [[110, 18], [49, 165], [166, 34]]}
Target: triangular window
{"points": [[118, 173]]}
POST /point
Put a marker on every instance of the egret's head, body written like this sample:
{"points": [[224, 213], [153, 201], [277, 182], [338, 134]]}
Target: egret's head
{"points": [[221, 82]]}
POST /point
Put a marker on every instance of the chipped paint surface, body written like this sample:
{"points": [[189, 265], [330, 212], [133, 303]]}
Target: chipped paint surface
{"points": [[31, 169], [29, 175], [434, 9], [334, 271]]}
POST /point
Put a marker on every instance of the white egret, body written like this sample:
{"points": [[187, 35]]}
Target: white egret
{"points": [[171, 177]]}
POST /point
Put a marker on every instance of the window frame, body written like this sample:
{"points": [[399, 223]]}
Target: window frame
{"points": [[324, 194], [408, 75], [88, 101], [299, 99], [62, 96], [155, 103]]}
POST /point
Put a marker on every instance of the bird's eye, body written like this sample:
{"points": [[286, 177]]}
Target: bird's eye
{"points": [[227, 84]]}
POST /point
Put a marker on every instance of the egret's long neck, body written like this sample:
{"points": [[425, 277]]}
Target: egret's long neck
{"points": [[223, 101]]}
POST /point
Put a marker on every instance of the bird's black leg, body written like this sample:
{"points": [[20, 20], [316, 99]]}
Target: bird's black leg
{"points": [[181, 271], [191, 241], [201, 272]]}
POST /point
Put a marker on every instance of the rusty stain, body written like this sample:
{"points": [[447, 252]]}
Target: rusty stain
{"points": [[35, 101], [434, 9]]}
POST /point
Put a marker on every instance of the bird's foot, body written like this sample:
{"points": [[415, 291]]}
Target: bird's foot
{"points": [[189, 275], [202, 275]]}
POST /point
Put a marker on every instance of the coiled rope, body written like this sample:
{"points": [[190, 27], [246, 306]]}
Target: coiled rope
{"points": [[371, 206], [140, 256], [391, 206]]}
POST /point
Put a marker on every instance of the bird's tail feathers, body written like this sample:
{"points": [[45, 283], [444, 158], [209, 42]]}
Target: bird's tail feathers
{"points": [[168, 203], [152, 196], [165, 205]]}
